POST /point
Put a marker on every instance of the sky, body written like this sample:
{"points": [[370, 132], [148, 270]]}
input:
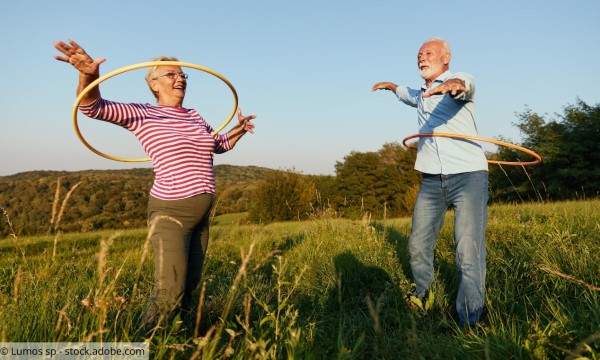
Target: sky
{"points": [[304, 68]]}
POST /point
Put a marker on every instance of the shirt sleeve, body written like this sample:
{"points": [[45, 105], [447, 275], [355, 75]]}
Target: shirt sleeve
{"points": [[407, 95], [124, 115], [222, 143]]}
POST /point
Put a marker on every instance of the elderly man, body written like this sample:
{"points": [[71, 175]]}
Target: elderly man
{"points": [[454, 175]]}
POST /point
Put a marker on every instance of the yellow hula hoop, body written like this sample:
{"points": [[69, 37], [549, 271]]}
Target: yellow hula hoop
{"points": [[139, 66], [537, 160]]}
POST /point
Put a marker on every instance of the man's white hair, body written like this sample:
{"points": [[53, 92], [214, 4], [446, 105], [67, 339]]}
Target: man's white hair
{"points": [[444, 42]]}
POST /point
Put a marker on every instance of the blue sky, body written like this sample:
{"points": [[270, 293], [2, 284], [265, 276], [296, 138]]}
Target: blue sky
{"points": [[305, 68]]}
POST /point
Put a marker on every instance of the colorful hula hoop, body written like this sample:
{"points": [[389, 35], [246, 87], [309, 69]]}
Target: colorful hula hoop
{"points": [[537, 160], [139, 66]]}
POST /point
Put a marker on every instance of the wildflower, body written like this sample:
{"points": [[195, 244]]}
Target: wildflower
{"points": [[86, 302]]}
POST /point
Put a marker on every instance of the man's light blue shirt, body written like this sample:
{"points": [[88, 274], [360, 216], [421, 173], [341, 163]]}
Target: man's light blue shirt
{"points": [[446, 114]]}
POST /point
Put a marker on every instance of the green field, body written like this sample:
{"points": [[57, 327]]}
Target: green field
{"points": [[326, 288]]}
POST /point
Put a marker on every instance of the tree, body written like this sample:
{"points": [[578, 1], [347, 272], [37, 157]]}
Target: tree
{"points": [[281, 196], [570, 151], [376, 182]]}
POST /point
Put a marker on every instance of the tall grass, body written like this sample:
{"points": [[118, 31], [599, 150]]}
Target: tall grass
{"points": [[327, 288]]}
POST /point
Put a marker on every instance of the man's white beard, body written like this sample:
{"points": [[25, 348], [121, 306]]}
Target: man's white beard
{"points": [[428, 72]]}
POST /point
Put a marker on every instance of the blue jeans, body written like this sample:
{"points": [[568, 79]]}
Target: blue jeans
{"points": [[467, 194]]}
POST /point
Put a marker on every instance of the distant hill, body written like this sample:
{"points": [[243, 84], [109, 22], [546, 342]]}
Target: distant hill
{"points": [[104, 199]]}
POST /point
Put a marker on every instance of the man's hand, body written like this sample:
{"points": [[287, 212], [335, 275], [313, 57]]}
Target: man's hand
{"points": [[385, 86], [452, 86]]}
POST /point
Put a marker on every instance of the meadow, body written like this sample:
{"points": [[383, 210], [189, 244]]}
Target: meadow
{"points": [[325, 288]]}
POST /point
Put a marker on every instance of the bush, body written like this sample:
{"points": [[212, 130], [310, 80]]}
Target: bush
{"points": [[281, 196]]}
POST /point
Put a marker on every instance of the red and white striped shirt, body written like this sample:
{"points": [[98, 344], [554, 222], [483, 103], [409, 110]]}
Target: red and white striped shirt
{"points": [[177, 140]]}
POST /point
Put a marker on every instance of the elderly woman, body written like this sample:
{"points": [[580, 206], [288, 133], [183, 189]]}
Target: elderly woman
{"points": [[181, 148]]}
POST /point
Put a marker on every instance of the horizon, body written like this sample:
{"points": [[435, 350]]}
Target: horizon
{"points": [[150, 169]]}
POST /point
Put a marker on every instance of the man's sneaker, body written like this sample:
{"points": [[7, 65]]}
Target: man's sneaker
{"points": [[418, 303]]}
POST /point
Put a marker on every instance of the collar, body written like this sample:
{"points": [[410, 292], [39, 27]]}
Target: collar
{"points": [[438, 80]]}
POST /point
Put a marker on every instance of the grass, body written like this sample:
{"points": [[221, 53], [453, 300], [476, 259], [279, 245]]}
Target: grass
{"points": [[229, 219], [327, 288]]}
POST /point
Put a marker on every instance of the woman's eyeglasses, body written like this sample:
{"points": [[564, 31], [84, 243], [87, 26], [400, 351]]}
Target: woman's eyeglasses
{"points": [[173, 76]]}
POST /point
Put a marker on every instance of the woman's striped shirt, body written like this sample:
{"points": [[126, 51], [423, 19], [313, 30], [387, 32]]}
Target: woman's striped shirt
{"points": [[177, 140]]}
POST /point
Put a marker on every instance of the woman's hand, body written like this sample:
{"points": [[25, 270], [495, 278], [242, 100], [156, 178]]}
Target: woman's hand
{"points": [[76, 56], [245, 121], [89, 69], [243, 126]]}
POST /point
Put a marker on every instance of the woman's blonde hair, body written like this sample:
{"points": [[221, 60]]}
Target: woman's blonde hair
{"points": [[152, 70]]}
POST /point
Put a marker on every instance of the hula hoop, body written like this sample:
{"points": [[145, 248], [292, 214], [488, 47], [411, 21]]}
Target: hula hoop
{"points": [[139, 66], [537, 160]]}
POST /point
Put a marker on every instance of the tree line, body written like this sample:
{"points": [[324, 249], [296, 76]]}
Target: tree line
{"points": [[380, 184], [42, 202], [383, 183]]}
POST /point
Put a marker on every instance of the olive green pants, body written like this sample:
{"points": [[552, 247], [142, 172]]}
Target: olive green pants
{"points": [[179, 234]]}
